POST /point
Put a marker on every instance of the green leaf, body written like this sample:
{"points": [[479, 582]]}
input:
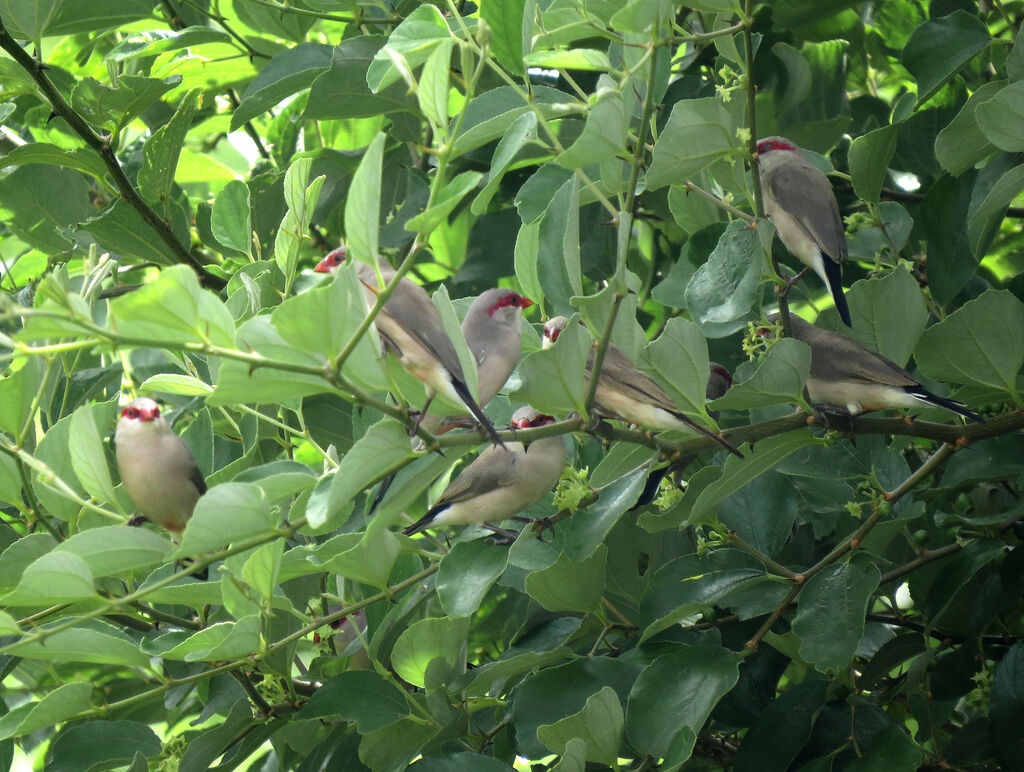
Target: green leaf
{"points": [[737, 472], [466, 761], [227, 514], [684, 684], [53, 578], [367, 698], [102, 744], [18, 392], [72, 18], [523, 129], [427, 641], [287, 73], [88, 457], [81, 160], [466, 574], [488, 116], [173, 309], [1002, 194], [367, 558], [943, 216], [1000, 117], [174, 383], [869, 159], [263, 567], [980, 343], [509, 36], [161, 151], [152, 42], [722, 295], [224, 640], [122, 230], [99, 644], [434, 86], [779, 379], [888, 314], [962, 142], [599, 725], [698, 133], [383, 449], [1006, 705], [830, 614], [781, 730], [604, 134], [341, 92], [412, 41], [762, 512], [553, 380], [584, 534], [31, 19], [678, 358], [940, 48], [38, 208], [362, 206], [570, 585], [231, 218], [301, 201], [64, 702], [116, 550], [114, 108], [447, 199]]}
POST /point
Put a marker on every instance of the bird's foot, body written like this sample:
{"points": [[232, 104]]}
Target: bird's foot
{"points": [[501, 535]]}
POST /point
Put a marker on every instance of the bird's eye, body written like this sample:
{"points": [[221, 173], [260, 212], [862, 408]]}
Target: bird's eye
{"points": [[131, 412]]}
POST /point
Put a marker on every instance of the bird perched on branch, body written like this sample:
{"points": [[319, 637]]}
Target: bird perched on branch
{"points": [[501, 481], [848, 376], [623, 391], [799, 200], [411, 326], [158, 470]]}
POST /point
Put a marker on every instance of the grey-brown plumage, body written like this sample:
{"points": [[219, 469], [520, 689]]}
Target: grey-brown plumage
{"points": [[624, 391], [411, 326], [158, 470], [501, 481], [847, 375], [799, 200]]}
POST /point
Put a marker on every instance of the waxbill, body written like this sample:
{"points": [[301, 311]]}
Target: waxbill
{"points": [[493, 331], [623, 391], [799, 200], [411, 326], [158, 470], [848, 376], [719, 382], [501, 481]]}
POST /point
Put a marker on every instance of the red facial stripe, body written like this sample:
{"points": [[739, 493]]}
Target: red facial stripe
{"points": [[138, 414], [723, 373], [552, 333], [771, 144], [513, 299], [540, 420], [331, 261]]}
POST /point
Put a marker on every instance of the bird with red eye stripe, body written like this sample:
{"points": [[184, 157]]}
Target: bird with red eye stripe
{"points": [[493, 331], [501, 482], [410, 326], [799, 200], [157, 468], [624, 391]]}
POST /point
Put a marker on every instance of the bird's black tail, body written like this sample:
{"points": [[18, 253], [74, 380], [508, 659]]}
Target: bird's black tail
{"points": [[424, 522], [949, 404], [382, 491], [476, 410], [834, 276], [709, 434]]}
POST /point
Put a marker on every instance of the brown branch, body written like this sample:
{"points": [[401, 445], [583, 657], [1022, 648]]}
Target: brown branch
{"points": [[60, 106]]}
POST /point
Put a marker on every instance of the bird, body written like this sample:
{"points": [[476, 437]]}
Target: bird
{"points": [[502, 481], [799, 200], [847, 375], [411, 326], [623, 391], [719, 382], [158, 470], [493, 331]]}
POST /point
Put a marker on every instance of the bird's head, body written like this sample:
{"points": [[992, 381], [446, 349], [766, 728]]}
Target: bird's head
{"points": [[768, 144], [529, 418], [552, 329], [331, 261], [143, 410], [723, 373]]}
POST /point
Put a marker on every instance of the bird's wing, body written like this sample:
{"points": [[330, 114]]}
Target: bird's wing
{"points": [[411, 308], [838, 358], [797, 189], [619, 373], [494, 468]]}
